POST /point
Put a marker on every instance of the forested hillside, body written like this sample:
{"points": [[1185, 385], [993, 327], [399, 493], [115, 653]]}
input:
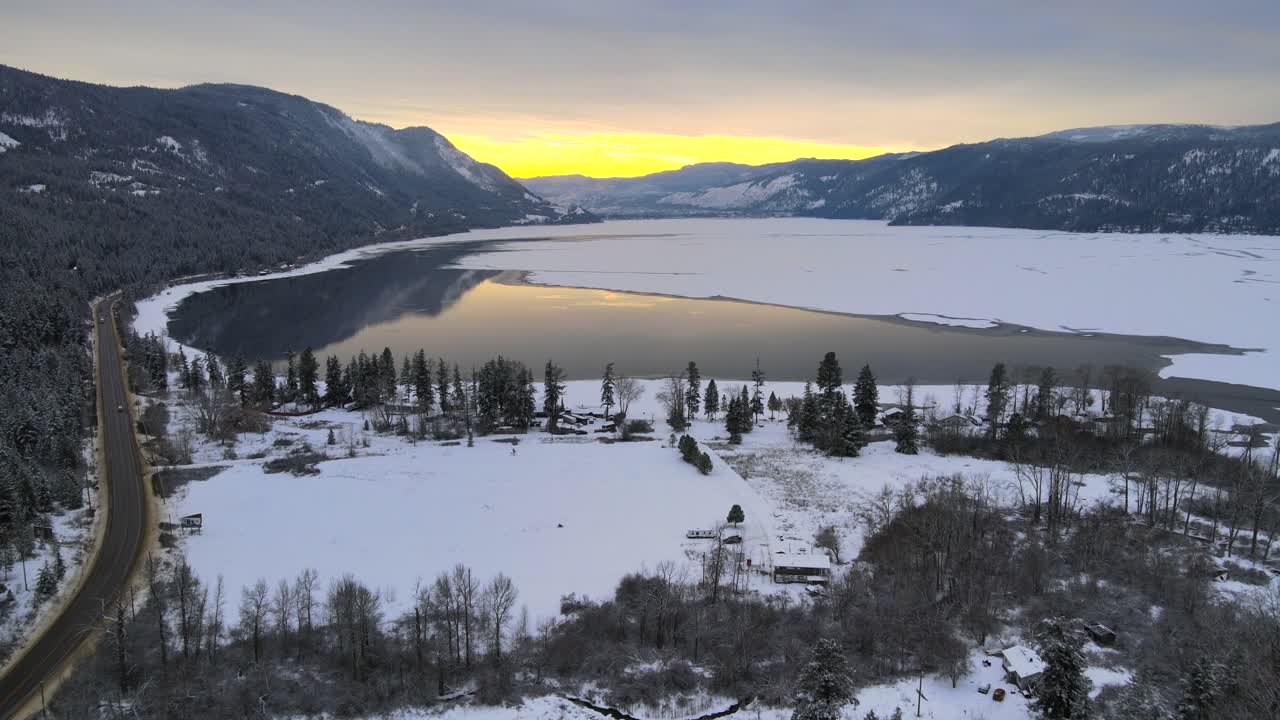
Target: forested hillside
{"points": [[122, 188], [1159, 178]]}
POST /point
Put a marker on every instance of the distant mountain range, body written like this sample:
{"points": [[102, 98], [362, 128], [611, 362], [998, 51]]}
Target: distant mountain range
{"points": [[1167, 178], [246, 150]]}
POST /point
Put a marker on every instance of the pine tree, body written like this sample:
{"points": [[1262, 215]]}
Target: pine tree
{"points": [[308, 374], [1064, 688], [733, 420], [552, 393], [195, 378], [59, 565], [906, 434], [216, 379], [705, 466], [825, 684], [442, 385], [866, 397], [184, 370], [757, 396], [423, 392], [331, 440], [736, 516], [774, 406], [46, 583], [1202, 685], [693, 392], [235, 379], [1044, 394], [711, 401], [290, 378], [607, 399], [335, 393], [264, 385], [997, 397], [386, 377], [830, 376], [807, 420], [458, 402], [406, 379], [527, 403]]}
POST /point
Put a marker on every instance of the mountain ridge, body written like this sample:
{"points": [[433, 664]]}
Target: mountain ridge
{"points": [[1161, 177], [253, 145]]}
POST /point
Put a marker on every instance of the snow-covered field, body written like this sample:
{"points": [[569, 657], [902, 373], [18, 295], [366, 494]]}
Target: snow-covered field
{"points": [[562, 515], [1209, 288]]}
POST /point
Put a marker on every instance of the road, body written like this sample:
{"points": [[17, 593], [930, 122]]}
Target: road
{"points": [[122, 540]]}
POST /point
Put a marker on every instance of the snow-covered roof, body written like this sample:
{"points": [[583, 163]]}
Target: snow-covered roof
{"points": [[1022, 661], [802, 560]]}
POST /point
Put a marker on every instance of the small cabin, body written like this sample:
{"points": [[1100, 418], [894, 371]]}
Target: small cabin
{"points": [[808, 568], [1023, 666], [700, 534], [1100, 633]]}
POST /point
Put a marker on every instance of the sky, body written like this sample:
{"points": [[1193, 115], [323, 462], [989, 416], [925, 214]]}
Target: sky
{"points": [[607, 88]]}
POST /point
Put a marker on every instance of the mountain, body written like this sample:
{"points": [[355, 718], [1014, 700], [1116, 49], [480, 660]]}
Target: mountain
{"points": [[261, 150], [1169, 178]]}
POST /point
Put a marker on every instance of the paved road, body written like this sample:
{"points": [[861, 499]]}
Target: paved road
{"points": [[121, 545]]}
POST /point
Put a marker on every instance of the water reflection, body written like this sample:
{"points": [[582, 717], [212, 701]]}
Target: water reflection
{"points": [[406, 300]]}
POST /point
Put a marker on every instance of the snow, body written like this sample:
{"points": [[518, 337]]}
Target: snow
{"points": [[1023, 660], [1102, 677], [740, 195], [562, 515], [169, 144], [72, 532], [37, 189], [979, 323], [7, 143], [1209, 288], [462, 164], [51, 118], [559, 516], [97, 177]]}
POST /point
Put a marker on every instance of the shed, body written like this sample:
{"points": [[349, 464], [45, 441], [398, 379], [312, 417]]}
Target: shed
{"points": [[1023, 665], [801, 568], [1101, 634]]}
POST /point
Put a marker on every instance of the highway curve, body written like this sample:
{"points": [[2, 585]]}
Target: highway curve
{"points": [[125, 533]]}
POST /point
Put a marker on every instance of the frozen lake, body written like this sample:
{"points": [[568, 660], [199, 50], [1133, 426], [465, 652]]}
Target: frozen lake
{"points": [[410, 298]]}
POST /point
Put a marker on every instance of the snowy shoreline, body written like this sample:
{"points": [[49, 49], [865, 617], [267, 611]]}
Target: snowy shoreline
{"points": [[687, 258]]}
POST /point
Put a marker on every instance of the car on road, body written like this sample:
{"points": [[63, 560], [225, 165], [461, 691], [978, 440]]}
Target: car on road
{"points": [[732, 540], [119, 408]]}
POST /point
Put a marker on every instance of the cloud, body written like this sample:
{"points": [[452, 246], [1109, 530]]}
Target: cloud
{"points": [[908, 73]]}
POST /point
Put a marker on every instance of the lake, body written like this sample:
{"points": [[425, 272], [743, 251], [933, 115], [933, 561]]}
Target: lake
{"points": [[412, 299]]}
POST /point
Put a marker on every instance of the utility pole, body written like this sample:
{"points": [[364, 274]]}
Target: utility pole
{"points": [[920, 693], [44, 708]]}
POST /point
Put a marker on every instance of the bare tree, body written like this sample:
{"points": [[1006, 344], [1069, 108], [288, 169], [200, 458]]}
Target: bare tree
{"points": [[254, 604], [629, 390], [499, 600]]}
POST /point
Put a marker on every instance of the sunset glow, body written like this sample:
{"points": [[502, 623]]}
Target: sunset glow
{"points": [[626, 154]]}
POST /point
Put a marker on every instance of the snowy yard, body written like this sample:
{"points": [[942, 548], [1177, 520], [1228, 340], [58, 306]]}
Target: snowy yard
{"points": [[561, 515]]}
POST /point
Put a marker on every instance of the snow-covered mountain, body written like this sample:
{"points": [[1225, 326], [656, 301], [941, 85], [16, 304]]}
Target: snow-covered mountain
{"points": [[250, 146], [1134, 177]]}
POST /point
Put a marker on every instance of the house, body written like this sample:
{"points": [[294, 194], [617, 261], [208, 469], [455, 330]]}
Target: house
{"points": [[958, 422], [1023, 666], [801, 568]]}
